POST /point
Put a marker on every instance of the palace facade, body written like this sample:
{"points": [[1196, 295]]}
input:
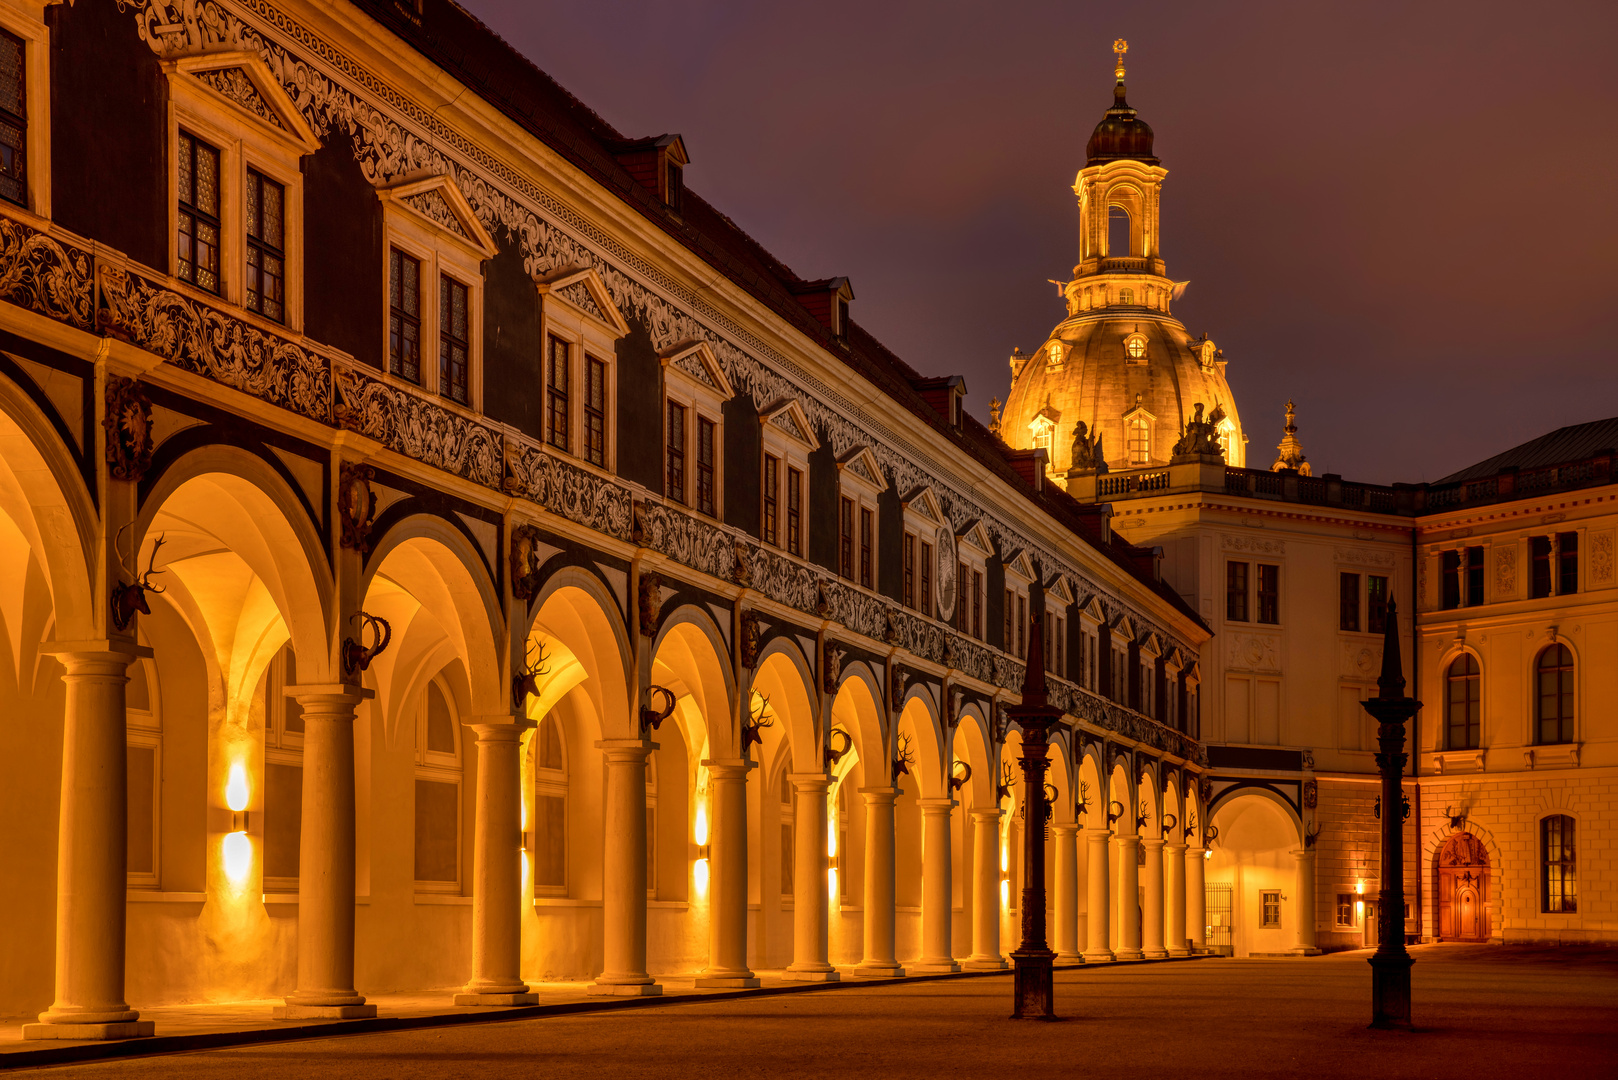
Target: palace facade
{"points": [[1508, 567], [444, 552]]}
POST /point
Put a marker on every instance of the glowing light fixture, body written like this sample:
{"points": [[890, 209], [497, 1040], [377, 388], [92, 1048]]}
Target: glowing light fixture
{"points": [[699, 834], [831, 883], [236, 795], [238, 854], [1005, 894]]}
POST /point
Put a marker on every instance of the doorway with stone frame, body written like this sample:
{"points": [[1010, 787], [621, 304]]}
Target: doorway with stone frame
{"points": [[1461, 889]]}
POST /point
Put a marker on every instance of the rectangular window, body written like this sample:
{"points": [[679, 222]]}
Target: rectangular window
{"points": [[910, 570], [924, 580], [454, 339], [404, 316], [1567, 563], [1060, 665], [283, 821], [963, 616], [772, 489], [674, 479], [1269, 902], [794, 511], [1539, 554], [707, 496], [266, 257], [1474, 576], [1269, 593], [13, 120], [1348, 602], [1005, 639], [789, 858], [1558, 890], [595, 412], [1376, 604], [550, 842], [141, 829], [1022, 626], [866, 528], [198, 237], [845, 537], [437, 831], [977, 604], [1236, 592], [557, 387], [1345, 911], [1449, 565]]}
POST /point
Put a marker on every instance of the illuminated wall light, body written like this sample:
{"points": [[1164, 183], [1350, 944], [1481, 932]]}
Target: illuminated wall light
{"points": [[699, 872], [699, 834], [1005, 894], [237, 848], [831, 883], [238, 853]]}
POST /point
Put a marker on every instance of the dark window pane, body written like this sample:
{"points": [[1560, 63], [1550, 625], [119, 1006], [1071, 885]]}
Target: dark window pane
{"points": [[675, 476], [1269, 593], [1539, 555], [283, 819], [437, 830], [1474, 576], [266, 266], [13, 119], [454, 345], [404, 316], [706, 494], [550, 841], [1450, 569], [865, 547], [794, 511], [1236, 592], [1567, 563], [772, 486], [557, 387], [845, 537], [197, 238], [595, 412], [141, 765], [1376, 604], [1348, 601]]}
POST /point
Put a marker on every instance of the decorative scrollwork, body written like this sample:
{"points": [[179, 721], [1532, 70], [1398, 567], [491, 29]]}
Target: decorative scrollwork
{"points": [[45, 275], [420, 429]]}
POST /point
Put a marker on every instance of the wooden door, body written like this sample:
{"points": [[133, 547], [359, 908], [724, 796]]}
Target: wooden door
{"points": [[1461, 886]]}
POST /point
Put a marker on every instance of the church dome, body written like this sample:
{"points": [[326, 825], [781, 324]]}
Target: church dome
{"points": [[1121, 135], [1132, 377]]}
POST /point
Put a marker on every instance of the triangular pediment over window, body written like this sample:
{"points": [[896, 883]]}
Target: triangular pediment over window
{"points": [[1091, 609], [1018, 564], [1193, 674], [585, 291], [861, 464], [787, 416], [1174, 660], [1059, 588], [243, 79], [974, 536], [922, 501], [1151, 645], [438, 202], [696, 360], [1124, 628]]}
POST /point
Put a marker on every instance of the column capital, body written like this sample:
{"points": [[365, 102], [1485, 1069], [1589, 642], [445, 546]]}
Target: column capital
{"points": [[992, 813], [1178, 849], [1125, 839], [937, 806], [331, 695], [1098, 834], [96, 651], [625, 749], [1195, 850], [1302, 854], [876, 796], [500, 728], [728, 768], [1065, 827], [1150, 844], [810, 783]]}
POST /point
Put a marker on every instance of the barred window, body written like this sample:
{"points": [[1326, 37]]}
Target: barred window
{"points": [[924, 583], [794, 511], [557, 387], [266, 257], [845, 537], [910, 570], [13, 119], [1558, 891], [1269, 909], [674, 442], [1462, 703], [706, 495], [404, 316], [595, 412], [453, 339], [772, 487], [866, 529], [1269, 593], [1236, 592], [198, 237]]}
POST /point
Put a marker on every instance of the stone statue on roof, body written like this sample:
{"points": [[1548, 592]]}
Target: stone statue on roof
{"points": [[1199, 440], [1087, 455]]}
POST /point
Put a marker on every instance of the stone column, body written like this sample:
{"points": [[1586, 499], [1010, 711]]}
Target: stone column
{"points": [[497, 868], [1196, 898], [1305, 888], [1129, 913], [1174, 870], [623, 873], [1097, 950], [92, 849], [811, 891], [727, 963], [1152, 915], [879, 961], [1067, 891], [986, 891], [937, 889], [326, 859]]}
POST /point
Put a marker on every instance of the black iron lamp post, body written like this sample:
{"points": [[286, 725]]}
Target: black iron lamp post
{"points": [[1031, 962], [1390, 967]]}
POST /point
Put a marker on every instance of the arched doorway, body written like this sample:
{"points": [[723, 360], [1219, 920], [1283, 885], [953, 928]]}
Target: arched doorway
{"points": [[1462, 870]]}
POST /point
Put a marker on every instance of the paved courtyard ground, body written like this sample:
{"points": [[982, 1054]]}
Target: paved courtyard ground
{"points": [[1481, 1012]]}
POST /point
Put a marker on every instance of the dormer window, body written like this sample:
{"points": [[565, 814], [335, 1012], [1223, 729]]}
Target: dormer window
{"points": [[841, 329], [1135, 346], [827, 300], [1056, 355], [674, 185]]}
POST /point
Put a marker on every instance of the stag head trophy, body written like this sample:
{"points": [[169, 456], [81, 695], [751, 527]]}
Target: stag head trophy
{"points": [[1008, 780], [1082, 804], [129, 599], [833, 752], [525, 683], [356, 656], [904, 758], [1191, 827], [1311, 833], [756, 722], [1141, 815], [651, 716], [956, 780]]}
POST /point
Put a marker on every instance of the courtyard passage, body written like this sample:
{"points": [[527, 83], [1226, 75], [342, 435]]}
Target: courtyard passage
{"points": [[1482, 1011]]}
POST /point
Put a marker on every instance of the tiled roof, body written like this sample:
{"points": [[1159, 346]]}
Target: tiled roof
{"points": [[1562, 446]]}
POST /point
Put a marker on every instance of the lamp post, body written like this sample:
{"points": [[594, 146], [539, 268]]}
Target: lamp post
{"points": [[1390, 967], [1031, 962]]}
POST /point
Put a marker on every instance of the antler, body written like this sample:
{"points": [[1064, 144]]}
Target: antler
{"points": [[129, 599], [756, 722], [1082, 805], [526, 682], [1170, 823], [357, 657], [834, 755], [958, 782], [1140, 815], [651, 716], [1114, 814], [903, 759], [145, 582], [1008, 780]]}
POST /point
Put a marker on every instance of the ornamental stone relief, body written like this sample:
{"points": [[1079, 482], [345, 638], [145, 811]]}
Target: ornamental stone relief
{"points": [[578, 294], [399, 136], [418, 428], [1255, 545], [1364, 556], [46, 276], [1601, 558], [1505, 571], [568, 491], [1253, 652], [432, 205], [1360, 660], [234, 84]]}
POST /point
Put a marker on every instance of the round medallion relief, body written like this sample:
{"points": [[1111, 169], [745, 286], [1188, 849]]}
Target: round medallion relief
{"points": [[944, 577]]}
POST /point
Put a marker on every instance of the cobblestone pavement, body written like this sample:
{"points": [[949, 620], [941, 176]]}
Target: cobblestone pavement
{"points": [[1481, 1011]]}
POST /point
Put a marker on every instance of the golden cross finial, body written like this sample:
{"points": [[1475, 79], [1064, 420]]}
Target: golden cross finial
{"points": [[1120, 47]]}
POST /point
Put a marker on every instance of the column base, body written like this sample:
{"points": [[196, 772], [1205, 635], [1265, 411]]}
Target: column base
{"points": [[810, 976], [744, 981], [1099, 958], [1070, 956], [497, 999], [879, 971], [127, 1029], [646, 989], [1305, 950], [935, 967], [994, 964], [1129, 954], [1155, 954], [323, 1012], [1179, 952]]}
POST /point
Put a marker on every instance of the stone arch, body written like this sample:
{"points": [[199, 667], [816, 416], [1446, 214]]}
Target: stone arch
{"points": [[857, 707], [970, 743], [575, 609], [692, 652], [1090, 771], [918, 712], [1530, 690], [783, 675]]}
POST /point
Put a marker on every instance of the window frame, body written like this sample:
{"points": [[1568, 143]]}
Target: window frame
{"points": [[1269, 900], [864, 492], [702, 401], [1567, 725], [554, 783], [788, 437], [35, 37], [250, 243], [443, 768], [143, 729], [1566, 865], [281, 747], [589, 337], [1472, 700]]}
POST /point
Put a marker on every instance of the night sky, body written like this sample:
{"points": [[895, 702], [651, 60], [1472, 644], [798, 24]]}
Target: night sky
{"points": [[1403, 216]]}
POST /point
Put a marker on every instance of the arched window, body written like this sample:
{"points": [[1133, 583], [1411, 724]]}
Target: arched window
{"points": [[1117, 232], [1140, 440], [1558, 887], [1554, 690], [1135, 345], [550, 809], [789, 836], [438, 793], [1227, 439], [1461, 706]]}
